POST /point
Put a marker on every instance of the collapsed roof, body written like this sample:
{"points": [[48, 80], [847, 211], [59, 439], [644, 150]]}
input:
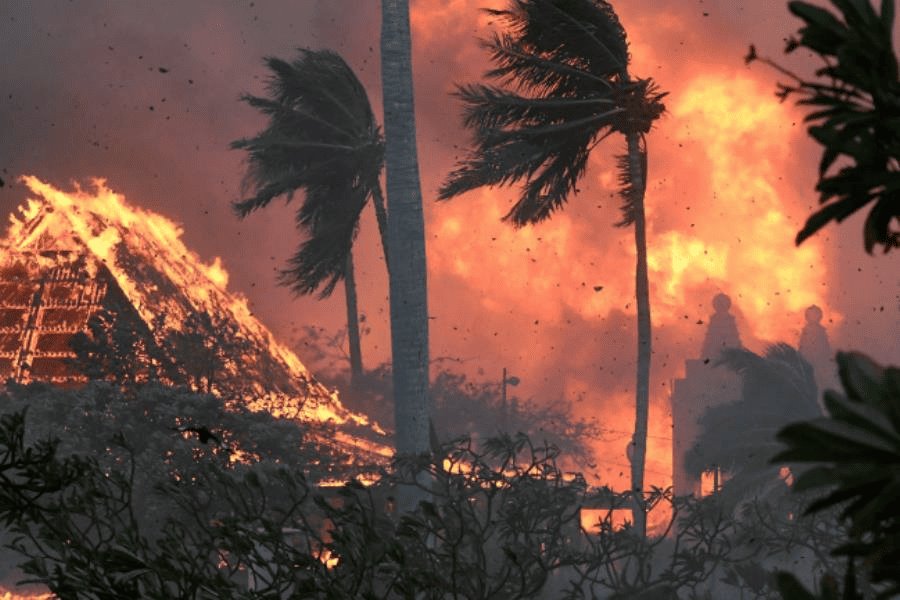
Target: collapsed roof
{"points": [[71, 256]]}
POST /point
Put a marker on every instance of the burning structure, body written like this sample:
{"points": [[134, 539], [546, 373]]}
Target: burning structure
{"points": [[81, 264]]}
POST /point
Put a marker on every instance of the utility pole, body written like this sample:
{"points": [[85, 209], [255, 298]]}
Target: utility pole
{"points": [[504, 408]]}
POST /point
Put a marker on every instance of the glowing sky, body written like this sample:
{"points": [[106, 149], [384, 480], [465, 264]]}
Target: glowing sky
{"points": [[146, 95]]}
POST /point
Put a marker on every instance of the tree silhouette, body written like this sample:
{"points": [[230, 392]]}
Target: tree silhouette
{"points": [[322, 138], [856, 116], [855, 456], [567, 64]]}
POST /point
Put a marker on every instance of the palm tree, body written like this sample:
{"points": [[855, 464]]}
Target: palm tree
{"points": [[777, 388], [406, 238], [567, 64], [321, 138]]}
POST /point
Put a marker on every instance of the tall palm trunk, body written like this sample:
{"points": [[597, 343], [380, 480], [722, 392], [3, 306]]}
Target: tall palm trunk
{"points": [[406, 237], [356, 368], [642, 294]]}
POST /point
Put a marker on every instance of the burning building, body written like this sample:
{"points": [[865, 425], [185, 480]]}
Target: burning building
{"points": [[74, 263]]}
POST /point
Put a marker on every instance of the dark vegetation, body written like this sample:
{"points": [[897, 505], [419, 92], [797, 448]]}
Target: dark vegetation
{"points": [[856, 106], [777, 388], [125, 488], [501, 522], [460, 406], [119, 348], [322, 139]]}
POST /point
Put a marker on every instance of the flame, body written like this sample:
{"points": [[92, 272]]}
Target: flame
{"points": [[726, 142], [591, 519], [104, 223], [8, 595], [743, 242]]}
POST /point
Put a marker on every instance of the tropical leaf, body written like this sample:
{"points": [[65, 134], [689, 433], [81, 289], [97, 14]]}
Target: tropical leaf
{"points": [[857, 452], [858, 116], [322, 139], [566, 61]]}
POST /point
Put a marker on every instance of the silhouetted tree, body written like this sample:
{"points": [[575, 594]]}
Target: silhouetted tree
{"points": [[856, 116], [855, 453], [567, 61], [322, 138], [205, 353]]}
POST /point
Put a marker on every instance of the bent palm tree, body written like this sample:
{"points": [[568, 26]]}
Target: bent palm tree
{"points": [[322, 138], [567, 61]]}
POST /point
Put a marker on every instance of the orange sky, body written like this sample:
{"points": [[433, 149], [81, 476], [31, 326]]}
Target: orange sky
{"points": [[731, 178]]}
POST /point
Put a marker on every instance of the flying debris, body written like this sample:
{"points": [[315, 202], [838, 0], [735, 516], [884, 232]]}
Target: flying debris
{"points": [[204, 435], [751, 55]]}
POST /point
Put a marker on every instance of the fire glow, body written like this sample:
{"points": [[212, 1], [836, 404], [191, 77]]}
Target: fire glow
{"points": [[112, 230], [723, 199], [733, 234]]}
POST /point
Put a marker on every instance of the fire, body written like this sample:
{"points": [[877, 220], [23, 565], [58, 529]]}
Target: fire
{"points": [[118, 235], [723, 207], [591, 519], [13, 596], [737, 238], [741, 138]]}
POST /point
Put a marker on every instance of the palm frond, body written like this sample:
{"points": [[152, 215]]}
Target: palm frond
{"points": [[321, 260], [777, 388], [530, 72], [586, 33], [740, 360], [321, 139], [490, 108], [566, 63], [631, 191]]}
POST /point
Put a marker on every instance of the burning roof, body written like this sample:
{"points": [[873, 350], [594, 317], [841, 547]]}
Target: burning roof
{"points": [[70, 256]]}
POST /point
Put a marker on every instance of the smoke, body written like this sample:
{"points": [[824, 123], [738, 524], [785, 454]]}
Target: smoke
{"points": [[147, 97]]}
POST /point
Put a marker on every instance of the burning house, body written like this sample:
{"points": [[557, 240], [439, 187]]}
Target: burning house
{"points": [[76, 261]]}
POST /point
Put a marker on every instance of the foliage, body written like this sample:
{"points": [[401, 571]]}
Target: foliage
{"points": [[564, 64], [856, 116], [856, 449], [502, 522], [201, 351], [150, 417], [459, 406], [321, 138], [568, 62], [774, 526], [30, 471], [739, 437]]}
